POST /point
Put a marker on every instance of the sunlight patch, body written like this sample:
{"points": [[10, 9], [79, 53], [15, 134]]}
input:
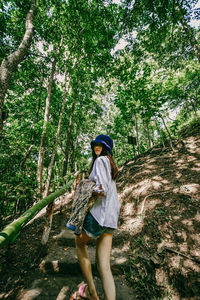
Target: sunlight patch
{"points": [[187, 222], [196, 238], [161, 278], [178, 175], [157, 185], [183, 248], [30, 294], [164, 244], [190, 188], [191, 265], [195, 253], [129, 208], [197, 217], [55, 266]]}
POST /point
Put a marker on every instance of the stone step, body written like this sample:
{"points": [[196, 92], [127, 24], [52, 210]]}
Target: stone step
{"points": [[63, 260], [66, 237], [54, 287]]}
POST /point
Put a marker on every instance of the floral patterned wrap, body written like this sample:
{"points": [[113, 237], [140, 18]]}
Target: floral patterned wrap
{"points": [[83, 201]]}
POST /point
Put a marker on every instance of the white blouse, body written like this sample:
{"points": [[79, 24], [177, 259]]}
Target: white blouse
{"points": [[106, 208]]}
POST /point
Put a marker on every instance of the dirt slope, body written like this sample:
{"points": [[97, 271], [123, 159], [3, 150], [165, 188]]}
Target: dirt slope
{"points": [[156, 251], [160, 210]]}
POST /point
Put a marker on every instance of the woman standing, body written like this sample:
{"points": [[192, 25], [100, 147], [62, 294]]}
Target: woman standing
{"points": [[101, 220]]}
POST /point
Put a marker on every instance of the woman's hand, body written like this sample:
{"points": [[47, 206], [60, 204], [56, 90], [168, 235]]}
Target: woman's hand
{"points": [[98, 191], [95, 193]]}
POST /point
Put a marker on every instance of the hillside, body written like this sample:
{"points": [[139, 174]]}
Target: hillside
{"points": [[156, 251], [160, 213]]}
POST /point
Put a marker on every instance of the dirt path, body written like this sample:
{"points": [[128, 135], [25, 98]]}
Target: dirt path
{"points": [[37, 273]]}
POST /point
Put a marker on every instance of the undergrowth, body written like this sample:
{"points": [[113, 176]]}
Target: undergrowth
{"points": [[141, 274]]}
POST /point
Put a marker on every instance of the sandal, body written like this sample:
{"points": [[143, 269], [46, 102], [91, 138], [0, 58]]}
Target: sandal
{"points": [[79, 294], [82, 290]]}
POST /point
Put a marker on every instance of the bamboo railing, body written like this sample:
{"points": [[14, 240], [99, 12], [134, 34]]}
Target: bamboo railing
{"points": [[9, 233]]}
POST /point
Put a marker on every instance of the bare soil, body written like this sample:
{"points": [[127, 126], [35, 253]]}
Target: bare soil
{"points": [[156, 251]]}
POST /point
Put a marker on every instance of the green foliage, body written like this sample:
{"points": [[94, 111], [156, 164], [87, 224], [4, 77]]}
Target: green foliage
{"points": [[129, 93], [12, 20], [190, 127]]}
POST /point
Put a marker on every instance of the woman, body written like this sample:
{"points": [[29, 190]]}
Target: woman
{"points": [[101, 220]]}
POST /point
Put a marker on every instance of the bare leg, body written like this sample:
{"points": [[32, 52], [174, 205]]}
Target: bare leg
{"points": [[104, 244], [85, 264]]}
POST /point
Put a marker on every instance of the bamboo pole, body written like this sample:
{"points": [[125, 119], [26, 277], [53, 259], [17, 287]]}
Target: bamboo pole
{"points": [[11, 230]]}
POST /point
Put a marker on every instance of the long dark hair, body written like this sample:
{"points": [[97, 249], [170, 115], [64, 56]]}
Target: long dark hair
{"points": [[105, 152]]}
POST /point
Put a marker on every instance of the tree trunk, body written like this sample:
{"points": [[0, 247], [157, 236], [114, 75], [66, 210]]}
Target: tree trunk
{"points": [[192, 102], [50, 208], [169, 134], [159, 131], [136, 134], [39, 97], [26, 156], [149, 135], [73, 164], [43, 137], [68, 143], [66, 90], [10, 63], [146, 128], [48, 223], [72, 157]]}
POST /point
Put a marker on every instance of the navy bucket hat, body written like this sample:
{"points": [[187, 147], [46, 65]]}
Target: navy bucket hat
{"points": [[105, 140]]}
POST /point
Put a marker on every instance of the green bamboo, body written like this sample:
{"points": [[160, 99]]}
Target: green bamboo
{"points": [[11, 230]]}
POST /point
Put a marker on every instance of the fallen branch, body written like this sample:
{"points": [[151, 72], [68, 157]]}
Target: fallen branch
{"points": [[154, 194], [165, 171], [182, 254]]}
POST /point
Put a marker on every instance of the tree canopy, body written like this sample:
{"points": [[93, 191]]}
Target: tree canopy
{"points": [[61, 84]]}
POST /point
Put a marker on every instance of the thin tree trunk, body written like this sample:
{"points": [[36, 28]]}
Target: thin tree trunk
{"points": [[146, 128], [72, 157], [137, 135], [169, 134], [187, 110], [66, 91], [36, 120], [39, 97], [43, 137], [48, 223], [73, 164], [10, 63], [68, 143], [159, 131], [50, 208], [194, 107], [46, 192], [26, 156], [150, 134]]}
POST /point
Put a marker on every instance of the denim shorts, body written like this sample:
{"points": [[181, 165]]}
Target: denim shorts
{"points": [[92, 227]]}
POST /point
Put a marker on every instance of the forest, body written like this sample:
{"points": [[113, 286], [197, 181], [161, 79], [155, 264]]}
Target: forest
{"points": [[69, 71], [73, 69]]}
